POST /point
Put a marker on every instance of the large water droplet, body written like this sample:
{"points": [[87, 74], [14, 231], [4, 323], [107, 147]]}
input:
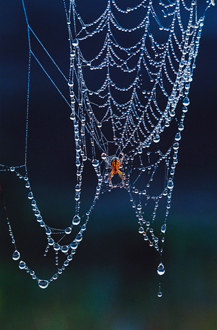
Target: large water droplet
{"points": [[186, 101], [95, 162], [76, 220], [74, 245], [170, 184], [64, 248], [43, 284], [16, 255], [156, 138], [178, 136], [68, 230], [22, 264], [30, 195], [79, 237], [163, 228], [56, 247], [141, 230], [160, 269], [159, 294]]}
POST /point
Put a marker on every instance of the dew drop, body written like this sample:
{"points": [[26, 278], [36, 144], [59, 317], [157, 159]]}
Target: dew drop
{"points": [[178, 136], [74, 245], [16, 255], [159, 294], [43, 284], [186, 101], [72, 116], [156, 138], [141, 230], [56, 247], [95, 162], [68, 230], [64, 249], [170, 184], [30, 195], [103, 156], [160, 269], [163, 228], [22, 264], [79, 237], [76, 220]]}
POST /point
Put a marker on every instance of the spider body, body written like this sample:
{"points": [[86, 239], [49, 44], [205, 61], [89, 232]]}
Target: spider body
{"points": [[115, 169]]}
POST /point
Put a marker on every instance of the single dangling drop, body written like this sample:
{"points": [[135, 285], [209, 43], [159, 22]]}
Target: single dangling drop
{"points": [[160, 269], [16, 255], [43, 284], [159, 294], [76, 220], [163, 228]]}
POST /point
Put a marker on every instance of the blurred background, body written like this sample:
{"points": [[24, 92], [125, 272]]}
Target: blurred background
{"points": [[112, 282]]}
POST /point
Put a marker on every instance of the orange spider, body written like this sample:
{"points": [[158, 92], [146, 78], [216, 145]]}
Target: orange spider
{"points": [[115, 165]]}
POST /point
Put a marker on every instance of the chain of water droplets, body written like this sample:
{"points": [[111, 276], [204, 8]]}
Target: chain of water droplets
{"points": [[136, 124]]}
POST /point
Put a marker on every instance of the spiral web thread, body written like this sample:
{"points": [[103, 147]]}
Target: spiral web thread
{"points": [[129, 78]]}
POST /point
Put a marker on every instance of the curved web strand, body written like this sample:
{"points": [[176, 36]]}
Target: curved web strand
{"points": [[129, 78]]}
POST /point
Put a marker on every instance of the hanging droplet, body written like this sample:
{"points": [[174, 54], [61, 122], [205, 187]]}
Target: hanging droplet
{"points": [[160, 269], [79, 237], [64, 248], [95, 162], [163, 228], [141, 230], [27, 185], [103, 156], [178, 136], [181, 127], [176, 145], [186, 101], [75, 42], [22, 264], [170, 184], [30, 195], [16, 255], [159, 294], [76, 220], [50, 241], [156, 138], [43, 284], [56, 247], [12, 168], [68, 230], [72, 116]]}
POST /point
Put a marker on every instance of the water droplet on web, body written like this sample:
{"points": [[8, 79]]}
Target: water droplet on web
{"points": [[160, 269], [68, 230], [22, 264], [156, 138], [79, 237], [76, 220], [95, 162], [43, 284], [16, 255], [186, 101], [170, 184], [56, 247], [159, 294], [74, 245], [30, 195], [163, 228], [64, 249]]}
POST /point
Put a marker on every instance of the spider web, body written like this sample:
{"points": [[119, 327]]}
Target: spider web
{"points": [[130, 71]]}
